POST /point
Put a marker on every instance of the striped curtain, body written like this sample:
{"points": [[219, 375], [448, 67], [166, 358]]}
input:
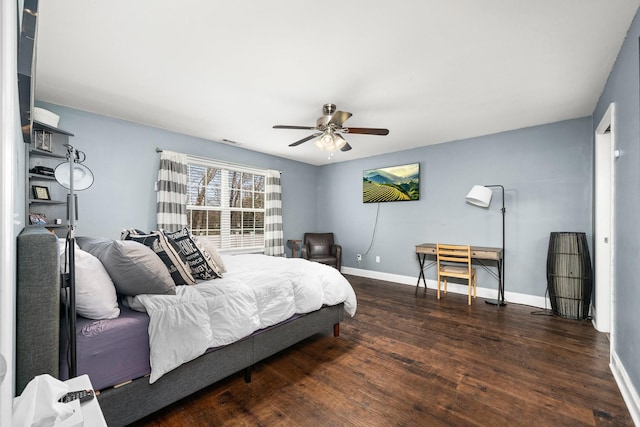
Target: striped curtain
{"points": [[273, 236], [172, 191]]}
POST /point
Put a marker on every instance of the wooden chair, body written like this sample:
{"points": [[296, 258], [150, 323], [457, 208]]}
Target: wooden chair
{"points": [[455, 261]]}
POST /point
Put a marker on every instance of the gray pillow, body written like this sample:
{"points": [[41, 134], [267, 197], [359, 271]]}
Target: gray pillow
{"points": [[134, 268], [167, 250]]}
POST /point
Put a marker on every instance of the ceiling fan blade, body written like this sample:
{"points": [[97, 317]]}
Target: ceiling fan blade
{"points": [[315, 135], [339, 117], [367, 131], [294, 127], [346, 147]]}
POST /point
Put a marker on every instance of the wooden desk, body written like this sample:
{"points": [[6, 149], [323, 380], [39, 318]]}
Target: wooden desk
{"points": [[478, 253]]}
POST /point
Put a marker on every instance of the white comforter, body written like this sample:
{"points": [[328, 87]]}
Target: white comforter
{"points": [[256, 291]]}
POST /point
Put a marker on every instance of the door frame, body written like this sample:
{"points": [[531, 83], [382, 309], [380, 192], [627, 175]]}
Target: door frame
{"points": [[8, 184], [605, 155]]}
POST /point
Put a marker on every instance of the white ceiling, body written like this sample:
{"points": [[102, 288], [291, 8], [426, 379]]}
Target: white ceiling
{"points": [[430, 71]]}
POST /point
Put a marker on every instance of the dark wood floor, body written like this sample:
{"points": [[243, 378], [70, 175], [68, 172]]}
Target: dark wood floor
{"points": [[405, 360]]}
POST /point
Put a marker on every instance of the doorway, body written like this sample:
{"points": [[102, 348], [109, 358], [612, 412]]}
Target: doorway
{"points": [[603, 222]]}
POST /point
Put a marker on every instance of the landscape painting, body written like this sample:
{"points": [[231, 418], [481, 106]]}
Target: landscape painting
{"points": [[391, 184]]}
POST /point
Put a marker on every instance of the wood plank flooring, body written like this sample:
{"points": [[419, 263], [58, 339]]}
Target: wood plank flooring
{"points": [[407, 360]]}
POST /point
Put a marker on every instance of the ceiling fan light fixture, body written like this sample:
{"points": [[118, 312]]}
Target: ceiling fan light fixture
{"points": [[327, 139], [339, 141], [332, 121], [330, 142]]}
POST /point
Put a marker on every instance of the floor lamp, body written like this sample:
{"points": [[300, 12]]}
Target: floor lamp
{"points": [[74, 176], [480, 195]]}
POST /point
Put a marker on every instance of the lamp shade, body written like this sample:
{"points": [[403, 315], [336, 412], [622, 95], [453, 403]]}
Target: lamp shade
{"points": [[330, 142], [82, 176], [480, 196], [339, 141]]}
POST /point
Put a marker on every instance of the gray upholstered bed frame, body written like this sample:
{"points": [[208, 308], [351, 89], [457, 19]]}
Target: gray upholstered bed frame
{"points": [[37, 336]]}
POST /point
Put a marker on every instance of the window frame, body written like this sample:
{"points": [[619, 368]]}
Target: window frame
{"points": [[224, 242]]}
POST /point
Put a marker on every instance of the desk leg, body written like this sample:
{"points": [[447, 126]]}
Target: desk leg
{"points": [[500, 301], [421, 275]]}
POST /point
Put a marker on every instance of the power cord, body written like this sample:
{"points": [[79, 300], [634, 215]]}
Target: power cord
{"points": [[548, 311], [375, 227]]}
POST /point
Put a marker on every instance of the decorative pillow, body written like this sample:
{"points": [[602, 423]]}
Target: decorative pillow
{"points": [[167, 250], [208, 246], [95, 294], [202, 266], [134, 268]]}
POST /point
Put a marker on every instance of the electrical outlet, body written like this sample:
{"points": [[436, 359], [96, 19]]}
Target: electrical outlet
{"points": [[377, 258], [359, 257]]}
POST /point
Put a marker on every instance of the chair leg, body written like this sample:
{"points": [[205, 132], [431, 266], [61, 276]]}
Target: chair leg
{"points": [[473, 283], [445, 285], [475, 286], [438, 285]]}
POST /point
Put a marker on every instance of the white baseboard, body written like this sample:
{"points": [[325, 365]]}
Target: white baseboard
{"points": [[489, 293], [628, 391], [594, 320]]}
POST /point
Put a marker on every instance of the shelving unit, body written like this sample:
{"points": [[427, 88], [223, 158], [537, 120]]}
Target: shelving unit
{"points": [[56, 207], [43, 126]]}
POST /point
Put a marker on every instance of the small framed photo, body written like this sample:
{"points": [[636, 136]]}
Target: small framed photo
{"points": [[37, 219], [40, 193], [43, 140]]}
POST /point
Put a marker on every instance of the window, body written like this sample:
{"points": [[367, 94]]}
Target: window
{"points": [[225, 203]]}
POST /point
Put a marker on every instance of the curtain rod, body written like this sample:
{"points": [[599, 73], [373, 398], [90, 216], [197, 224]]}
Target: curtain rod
{"points": [[207, 159]]}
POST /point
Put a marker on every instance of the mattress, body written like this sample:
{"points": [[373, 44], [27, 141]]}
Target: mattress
{"points": [[115, 351], [109, 351]]}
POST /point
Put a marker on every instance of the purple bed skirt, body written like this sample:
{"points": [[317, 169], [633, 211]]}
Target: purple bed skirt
{"points": [[115, 351], [109, 351]]}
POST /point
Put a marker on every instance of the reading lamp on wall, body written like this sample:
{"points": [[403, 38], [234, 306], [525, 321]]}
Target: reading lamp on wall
{"points": [[480, 195], [74, 176]]}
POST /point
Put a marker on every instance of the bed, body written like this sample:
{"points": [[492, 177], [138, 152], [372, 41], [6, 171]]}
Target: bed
{"points": [[131, 390]]}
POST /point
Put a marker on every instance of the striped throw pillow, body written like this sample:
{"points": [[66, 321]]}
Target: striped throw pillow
{"points": [[167, 250]]}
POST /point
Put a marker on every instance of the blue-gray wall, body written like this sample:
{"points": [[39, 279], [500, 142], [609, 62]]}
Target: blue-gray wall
{"points": [[623, 89], [123, 159], [546, 172]]}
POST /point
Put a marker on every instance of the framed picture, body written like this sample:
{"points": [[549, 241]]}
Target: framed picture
{"points": [[40, 193], [391, 184], [37, 219], [43, 140]]}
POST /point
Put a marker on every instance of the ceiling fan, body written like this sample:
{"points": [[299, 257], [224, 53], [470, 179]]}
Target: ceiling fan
{"points": [[329, 127]]}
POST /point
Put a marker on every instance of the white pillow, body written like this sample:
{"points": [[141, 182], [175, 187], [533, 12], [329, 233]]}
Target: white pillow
{"points": [[208, 246], [95, 293]]}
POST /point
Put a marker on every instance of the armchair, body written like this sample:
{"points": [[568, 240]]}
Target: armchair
{"points": [[320, 247]]}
